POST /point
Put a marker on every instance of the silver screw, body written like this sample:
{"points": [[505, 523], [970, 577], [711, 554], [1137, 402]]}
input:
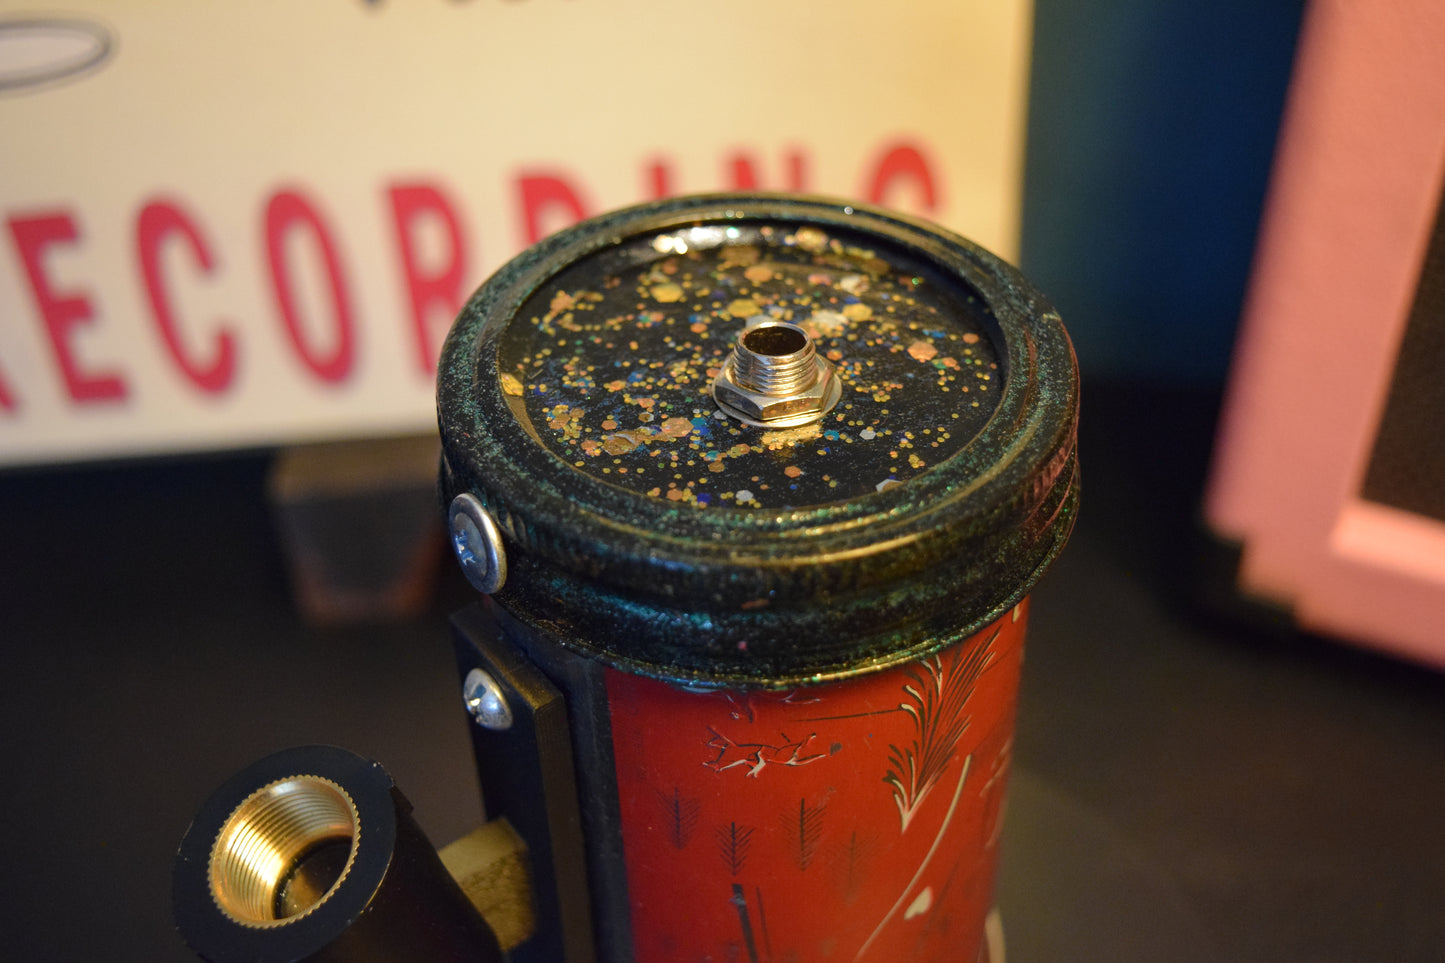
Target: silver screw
{"points": [[477, 543], [485, 701]]}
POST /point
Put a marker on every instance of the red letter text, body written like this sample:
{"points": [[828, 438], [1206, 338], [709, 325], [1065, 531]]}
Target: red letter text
{"points": [[287, 213], [159, 221], [62, 312], [744, 174], [541, 193], [903, 162], [659, 178], [436, 288]]}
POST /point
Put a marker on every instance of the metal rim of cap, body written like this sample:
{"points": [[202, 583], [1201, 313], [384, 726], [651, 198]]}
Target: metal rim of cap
{"points": [[770, 597]]}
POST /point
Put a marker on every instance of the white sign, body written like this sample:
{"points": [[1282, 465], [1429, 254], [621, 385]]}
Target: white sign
{"points": [[252, 223]]}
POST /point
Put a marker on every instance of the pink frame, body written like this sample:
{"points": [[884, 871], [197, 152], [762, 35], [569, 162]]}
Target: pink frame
{"points": [[1354, 196]]}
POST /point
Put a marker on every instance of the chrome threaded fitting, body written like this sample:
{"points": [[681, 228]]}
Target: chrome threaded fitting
{"points": [[776, 379]]}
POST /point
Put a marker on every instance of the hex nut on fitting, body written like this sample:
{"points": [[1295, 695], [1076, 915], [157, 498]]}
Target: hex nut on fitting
{"points": [[477, 543], [776, 379]]}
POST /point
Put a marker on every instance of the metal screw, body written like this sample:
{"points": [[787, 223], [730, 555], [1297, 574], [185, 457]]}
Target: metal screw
{"points": [[485, 701], [477, 543]]}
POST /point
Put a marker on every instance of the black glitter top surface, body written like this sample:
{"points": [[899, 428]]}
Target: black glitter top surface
{"points": [[644, 527], [611, 364]]}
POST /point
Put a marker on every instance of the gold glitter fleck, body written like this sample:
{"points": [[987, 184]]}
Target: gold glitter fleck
{"points": [[774, 440], [922, 351], [619, 444], [740, 254], [825, 323], [511, 385], [743, 308], [811, 239], [676, 427]]}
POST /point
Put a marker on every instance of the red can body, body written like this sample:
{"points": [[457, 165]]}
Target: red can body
{"points": [[772, 478], [851, 821]]}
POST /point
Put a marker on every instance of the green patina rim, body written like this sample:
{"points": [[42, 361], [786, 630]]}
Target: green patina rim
{"points": [[758, 597]]}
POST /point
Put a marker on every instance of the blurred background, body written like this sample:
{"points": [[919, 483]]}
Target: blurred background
{"points": [[1150, 133], [1196, 776]]}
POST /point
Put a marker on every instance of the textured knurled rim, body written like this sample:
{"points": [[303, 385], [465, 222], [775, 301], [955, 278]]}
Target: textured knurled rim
{"points": [[644, 585], [221, 935], [268, 833]]}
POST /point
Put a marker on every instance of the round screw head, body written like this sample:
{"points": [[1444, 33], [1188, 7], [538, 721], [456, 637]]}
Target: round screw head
{"points": [[485, 701], [477, 543]]}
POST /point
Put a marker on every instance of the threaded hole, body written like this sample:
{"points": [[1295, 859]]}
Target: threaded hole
{"points": [[283, 851], [775, 341]]}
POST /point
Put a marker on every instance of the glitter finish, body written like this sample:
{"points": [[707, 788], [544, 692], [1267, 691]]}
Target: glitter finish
{"points": [[652, 531], [613, 360]]}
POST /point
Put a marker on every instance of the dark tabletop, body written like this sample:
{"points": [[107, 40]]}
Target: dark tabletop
{"points": [[1187, 785]]}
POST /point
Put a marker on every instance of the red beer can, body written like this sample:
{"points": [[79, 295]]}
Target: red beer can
{"points": [[756, 487]]}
